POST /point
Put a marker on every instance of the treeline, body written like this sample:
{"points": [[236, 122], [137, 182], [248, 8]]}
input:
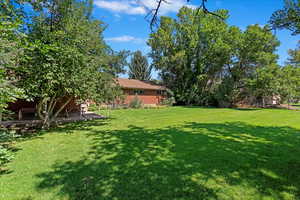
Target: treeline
{"points": [[205, 61], [52, 51]]}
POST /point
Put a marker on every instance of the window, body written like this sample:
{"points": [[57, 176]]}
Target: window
{"points": [[138, 92], [160, 92]]}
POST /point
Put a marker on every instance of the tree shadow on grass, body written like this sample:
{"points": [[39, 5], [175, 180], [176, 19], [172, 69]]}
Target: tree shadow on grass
{"points": [[192, 161]]}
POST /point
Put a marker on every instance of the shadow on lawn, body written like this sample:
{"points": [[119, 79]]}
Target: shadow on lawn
{"points": [[193, 161]]}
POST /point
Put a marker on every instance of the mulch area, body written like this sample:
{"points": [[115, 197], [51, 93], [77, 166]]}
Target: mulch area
{"points": [[28, 125]]}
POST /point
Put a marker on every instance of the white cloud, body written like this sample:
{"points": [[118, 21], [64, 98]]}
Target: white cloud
{"points": [[121, 7], [125, 38], [140, 7]]}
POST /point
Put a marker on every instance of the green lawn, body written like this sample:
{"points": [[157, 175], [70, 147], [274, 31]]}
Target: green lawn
{"points": [[162, 154]]}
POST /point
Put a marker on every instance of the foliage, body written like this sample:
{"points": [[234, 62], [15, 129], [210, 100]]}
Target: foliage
{"points": [[265, 83], [65, 58], [136, 102], [168, 101], [172, 153], [200, 56], [10, 51], [6, 141], [289, 83], [116, 61], [294, 58], [288, 17], [139, 67]]}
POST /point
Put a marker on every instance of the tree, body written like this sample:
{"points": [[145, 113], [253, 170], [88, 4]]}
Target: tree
{"points": [[65, 58], [181, 51], [289, 83], [288, 17], [264, 83], [116, 61], [153, 14], [204, 60], [139, 68], [294, 59], [10, 51]]}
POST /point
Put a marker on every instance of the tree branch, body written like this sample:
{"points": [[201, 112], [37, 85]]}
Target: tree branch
{"points": [[153, 13]]}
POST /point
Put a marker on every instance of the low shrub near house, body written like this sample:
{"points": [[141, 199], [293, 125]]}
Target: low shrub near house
{"points": [[136, 103], [169, 101]]}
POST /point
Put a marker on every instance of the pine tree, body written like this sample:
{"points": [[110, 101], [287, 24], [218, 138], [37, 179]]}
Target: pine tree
{"points": [[139, 67]]}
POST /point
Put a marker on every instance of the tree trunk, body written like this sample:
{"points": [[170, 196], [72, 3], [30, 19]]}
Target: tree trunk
{"points": [[45, 110], [62, 107]]}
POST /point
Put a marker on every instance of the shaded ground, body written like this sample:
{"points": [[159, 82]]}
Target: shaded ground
{"points": [[35, 123], [169, 158]]}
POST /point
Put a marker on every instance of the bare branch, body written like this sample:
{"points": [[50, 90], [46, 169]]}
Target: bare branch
{"points": [[153, 13]]}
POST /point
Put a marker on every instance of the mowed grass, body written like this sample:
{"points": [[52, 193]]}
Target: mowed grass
{"points": [[162, 154]]}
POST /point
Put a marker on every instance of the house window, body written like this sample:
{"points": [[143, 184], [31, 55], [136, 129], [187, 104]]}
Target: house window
{"points": [[138, 92], [160, 92]]}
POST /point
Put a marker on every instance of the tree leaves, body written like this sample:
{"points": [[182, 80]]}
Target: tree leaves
{"points": [[139, 68], [197, 53]]}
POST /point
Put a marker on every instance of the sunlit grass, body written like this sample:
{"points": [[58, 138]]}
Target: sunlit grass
{"points": [[172, 153]]}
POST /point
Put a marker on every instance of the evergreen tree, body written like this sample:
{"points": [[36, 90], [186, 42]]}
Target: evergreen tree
{"points": [[139, 67], [294, 58], [288, 17]]}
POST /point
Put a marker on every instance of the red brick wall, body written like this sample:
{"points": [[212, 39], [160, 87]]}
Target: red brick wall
{"points": [[149, 96]]}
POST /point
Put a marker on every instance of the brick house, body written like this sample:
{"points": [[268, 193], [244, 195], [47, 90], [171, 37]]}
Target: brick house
{"points": [[148, 92]]}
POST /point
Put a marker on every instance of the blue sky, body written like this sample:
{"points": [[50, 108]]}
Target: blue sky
{"points": [[128, 29]]}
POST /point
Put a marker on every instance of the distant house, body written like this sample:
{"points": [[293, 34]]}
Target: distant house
{"points": [[148, 92]]}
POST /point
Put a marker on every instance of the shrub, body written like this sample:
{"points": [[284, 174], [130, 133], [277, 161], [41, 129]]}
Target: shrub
{"points": [[5, 156], [168, 101], [136, 103], [6, 141]]}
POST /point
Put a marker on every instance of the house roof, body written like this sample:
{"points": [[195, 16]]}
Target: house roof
{"points": [[137, 84]]}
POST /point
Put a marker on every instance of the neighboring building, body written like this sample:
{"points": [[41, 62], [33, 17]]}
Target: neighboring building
{"points": [[148, 92], [27, 109]]}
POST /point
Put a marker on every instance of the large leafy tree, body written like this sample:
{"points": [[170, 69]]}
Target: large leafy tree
{"points": [[289, 83], [264, 83], [181, 49], [65, 57], [139, 67], [204, 60], [288, 17], [116, 61]]}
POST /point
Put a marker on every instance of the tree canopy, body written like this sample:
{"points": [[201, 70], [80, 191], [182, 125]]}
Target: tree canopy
{"points": [[139, 67], [288, 17], [10, 52], [204, 60], [64, 55]]}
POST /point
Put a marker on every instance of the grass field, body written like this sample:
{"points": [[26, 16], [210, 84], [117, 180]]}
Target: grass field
{"points": [[162, 154]]}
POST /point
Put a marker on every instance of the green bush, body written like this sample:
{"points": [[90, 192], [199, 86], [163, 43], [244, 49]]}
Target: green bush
{"points": [[136, 103], [5, 156], [6, 141], [168, 101]]}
